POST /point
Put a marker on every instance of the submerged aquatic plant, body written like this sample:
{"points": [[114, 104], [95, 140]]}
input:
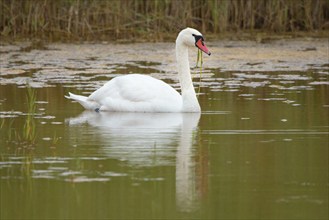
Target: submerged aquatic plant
{"points": [[55, 139], [2, 123], [29, 131], [26, 137], [8, 132]]}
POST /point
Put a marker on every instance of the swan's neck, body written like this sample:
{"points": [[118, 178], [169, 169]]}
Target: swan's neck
{"points": [[190, 101]]}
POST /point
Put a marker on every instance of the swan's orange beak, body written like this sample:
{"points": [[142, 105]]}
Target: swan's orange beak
{"points": [[200, 44]]}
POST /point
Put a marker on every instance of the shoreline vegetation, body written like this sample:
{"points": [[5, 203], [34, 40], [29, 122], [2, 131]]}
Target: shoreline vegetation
{"points": [[160, 20]]}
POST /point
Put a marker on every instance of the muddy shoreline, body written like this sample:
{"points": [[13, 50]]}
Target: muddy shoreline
{"points": [[298, 54]]}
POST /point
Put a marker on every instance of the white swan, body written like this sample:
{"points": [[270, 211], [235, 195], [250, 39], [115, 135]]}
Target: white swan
{"points": [[142, 93]]}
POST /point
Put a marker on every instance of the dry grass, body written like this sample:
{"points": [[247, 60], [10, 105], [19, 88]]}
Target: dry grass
{"points": [[155, 19]]}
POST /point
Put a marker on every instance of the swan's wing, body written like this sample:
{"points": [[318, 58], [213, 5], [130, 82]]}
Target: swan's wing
{"points": [[136, 93], [134, 88]]}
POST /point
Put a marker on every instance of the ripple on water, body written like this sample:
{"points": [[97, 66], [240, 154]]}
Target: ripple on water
{"points": [[251, 76], [113, 174], [300, 198], [319, 83], [274, 132], [10, 114], [292, 77], [84, 179], [58, 168]]}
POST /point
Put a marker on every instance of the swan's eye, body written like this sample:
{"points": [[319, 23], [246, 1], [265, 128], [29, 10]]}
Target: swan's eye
{"points": [[197, 38]]}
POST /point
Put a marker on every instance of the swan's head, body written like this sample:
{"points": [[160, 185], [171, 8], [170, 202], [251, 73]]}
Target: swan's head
{"points": [[191, 37]]}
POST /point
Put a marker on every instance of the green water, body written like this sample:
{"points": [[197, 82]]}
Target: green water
{"points": [[258, 150]]}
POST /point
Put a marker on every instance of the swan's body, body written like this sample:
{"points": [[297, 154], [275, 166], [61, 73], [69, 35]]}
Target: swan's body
{"points": [[142, 93], [133, 93]]}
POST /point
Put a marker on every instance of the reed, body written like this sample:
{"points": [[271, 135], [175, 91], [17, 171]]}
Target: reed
{"points": [[154, 19]]}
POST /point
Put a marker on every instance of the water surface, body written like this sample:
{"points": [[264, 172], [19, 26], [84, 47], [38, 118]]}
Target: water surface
{"points": [[258, 150]]}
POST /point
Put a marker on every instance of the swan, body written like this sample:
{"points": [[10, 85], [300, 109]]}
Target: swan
{"points": [[142, 93]]}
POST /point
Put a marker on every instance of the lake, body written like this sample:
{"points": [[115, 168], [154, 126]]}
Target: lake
{"points": [[258, 149]]}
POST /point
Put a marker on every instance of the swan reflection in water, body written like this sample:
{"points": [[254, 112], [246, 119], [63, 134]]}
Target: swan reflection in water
{"points": [[149, 139]]}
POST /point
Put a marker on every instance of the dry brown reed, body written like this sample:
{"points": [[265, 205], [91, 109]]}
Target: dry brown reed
{"points": [[155, 19]]}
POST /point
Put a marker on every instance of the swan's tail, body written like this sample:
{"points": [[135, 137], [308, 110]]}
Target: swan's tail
{"points": [[84, 101]]}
